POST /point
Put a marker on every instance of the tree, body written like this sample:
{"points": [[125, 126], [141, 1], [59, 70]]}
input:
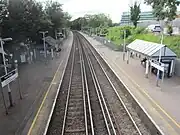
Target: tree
{"points": [[23, 19], [135, 13], [55, 14], [93, 21], [3, 13], [164, 9]]}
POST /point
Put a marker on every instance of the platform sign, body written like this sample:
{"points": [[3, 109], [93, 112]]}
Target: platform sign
{"points": [[157, 65], [11, 76]]}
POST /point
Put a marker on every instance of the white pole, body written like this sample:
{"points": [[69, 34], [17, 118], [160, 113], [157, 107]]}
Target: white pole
{"points": [[43, 33], [159, 59], [44, 45], [171, 68], [52, 54], [127, 57], [35, 54], [124, 45], [147, 68], [56, 34], [150, 70]]}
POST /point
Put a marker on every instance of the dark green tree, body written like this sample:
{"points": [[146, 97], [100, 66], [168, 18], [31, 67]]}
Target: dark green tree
{"points": [[164, 9], [3, 13], [23, 19], [55, 14], [135, 13]]}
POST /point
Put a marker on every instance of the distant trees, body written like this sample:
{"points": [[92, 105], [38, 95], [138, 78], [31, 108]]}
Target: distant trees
{"points": [[23, 19], [93, 21], [135, 13]]}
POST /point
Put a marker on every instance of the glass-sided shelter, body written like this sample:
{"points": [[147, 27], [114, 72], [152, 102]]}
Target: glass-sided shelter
{"points": [[151, 51]]}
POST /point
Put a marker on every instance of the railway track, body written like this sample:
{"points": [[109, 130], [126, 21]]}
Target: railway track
{"points": [[88, 102]]}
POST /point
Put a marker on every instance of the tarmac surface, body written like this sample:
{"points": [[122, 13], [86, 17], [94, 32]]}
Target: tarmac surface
{"points": [[35, 79], [161, 103]]}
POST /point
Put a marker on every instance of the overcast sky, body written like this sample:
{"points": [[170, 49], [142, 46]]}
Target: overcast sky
{"points": [[114, 8]]}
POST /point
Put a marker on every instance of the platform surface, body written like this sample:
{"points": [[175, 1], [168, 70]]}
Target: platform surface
{"points": [[35, 79], [161, 103], [43, 116]]}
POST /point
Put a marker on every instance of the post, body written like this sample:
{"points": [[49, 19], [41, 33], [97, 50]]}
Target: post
{"points": [[44, 45], [150, 69], [4, 102], [163, 77], [5, 68], [171, 68], [147, 68], [52, 54], [124, 45], [56, 34], [35, 54], [43, 33], [16, 65], [127, 57], [158, 73], [31, 56]]}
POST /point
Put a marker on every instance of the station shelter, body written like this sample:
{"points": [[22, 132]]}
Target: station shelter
{"points": [[150, 53]]}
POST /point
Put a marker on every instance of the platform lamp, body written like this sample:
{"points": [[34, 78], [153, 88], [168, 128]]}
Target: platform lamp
{"points": [[5, 67], [124, 44], [43, 33], [158, 72]]}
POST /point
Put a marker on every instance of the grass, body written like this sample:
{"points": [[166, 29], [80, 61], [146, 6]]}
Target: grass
{"points": [[115, 34]]}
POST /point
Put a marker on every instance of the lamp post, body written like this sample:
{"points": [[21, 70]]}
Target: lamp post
{"points": [[124, 45], [43, 33], [158, 72], [5, 67], [55, 34]]}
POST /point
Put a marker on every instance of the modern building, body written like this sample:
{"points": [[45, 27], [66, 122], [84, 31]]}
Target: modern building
{"points": [[144, 17]]}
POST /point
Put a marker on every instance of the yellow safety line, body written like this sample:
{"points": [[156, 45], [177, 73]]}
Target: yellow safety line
{"points": [[144, 91], [42, 103]]}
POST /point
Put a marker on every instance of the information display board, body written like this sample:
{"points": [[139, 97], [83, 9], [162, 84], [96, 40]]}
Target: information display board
{"points": [[9, 77]]}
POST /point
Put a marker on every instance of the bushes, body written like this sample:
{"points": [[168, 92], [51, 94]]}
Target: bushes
{"points": [[116, 35], [139, 30]]}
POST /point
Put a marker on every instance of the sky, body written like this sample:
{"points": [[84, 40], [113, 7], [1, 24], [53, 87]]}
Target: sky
{"points": [[113, 8]]}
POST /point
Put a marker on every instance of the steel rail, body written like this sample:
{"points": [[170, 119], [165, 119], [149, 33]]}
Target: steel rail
{"points": [[83, 84], [115, 90], [96, 83], [69, 89], [103, 99], [88, 96]]}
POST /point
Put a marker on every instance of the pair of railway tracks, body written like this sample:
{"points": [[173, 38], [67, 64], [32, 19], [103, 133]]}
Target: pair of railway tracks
{"points": [[88, 102]]}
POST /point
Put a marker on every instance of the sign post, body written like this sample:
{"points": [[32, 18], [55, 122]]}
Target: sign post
{"points": [[4, 102], [124, 44]]}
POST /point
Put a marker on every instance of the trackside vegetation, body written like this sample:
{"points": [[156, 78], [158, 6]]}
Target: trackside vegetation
{"points": [[115, 34]]}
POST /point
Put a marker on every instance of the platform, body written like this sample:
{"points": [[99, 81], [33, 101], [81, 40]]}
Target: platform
{"points": [[42, 119], [36, 79], [161, 103]]}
